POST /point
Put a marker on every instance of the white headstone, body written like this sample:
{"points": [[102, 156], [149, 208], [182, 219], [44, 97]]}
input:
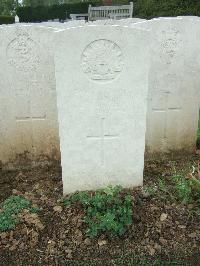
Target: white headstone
{"points": [[74, 23], [65, 25], [129, 21], [16, 19], [28, 114], [174, 90], [101, 97], [120, 22]]}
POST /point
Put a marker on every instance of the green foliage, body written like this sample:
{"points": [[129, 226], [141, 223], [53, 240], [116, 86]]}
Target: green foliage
{"points": [[9, 210], [41, 10], [15, 204], [161, 8], [44, 13], [7, 221], [7, 7], [188, 189], [34, 3], [107, 211], [6, 20], [162, 185], [182, 187], [151, 190]]}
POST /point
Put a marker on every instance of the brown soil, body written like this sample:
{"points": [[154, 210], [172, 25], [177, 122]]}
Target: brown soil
{"points": [[55, 236]]}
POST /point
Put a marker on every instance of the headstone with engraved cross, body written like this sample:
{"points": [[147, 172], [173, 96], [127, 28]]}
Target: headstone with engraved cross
{"points": [[167, 112], [27, 93], [101, 96], [174, 94]]}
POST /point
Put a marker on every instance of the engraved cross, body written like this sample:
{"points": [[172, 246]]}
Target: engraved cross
{"points": [[102, 137], [30, 118], [166, 110]]}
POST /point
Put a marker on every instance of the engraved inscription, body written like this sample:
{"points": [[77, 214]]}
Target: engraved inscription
{"points": [[22, 53], [102, 137], [102, 60]]}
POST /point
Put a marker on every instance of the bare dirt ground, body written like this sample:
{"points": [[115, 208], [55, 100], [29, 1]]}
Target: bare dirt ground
{"points": [[162, 228]]}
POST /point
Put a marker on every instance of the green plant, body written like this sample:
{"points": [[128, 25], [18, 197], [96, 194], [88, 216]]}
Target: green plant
{"points": [[9, 210], [183, 190], [162, 185], [7, 20], [151, 190], [187, 187], [107, 211]]}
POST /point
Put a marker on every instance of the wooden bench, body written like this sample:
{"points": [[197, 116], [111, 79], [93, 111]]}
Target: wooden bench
{"points": [[113, 12]]}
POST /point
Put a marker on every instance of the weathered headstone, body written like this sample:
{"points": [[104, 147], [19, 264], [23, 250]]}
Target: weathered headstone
{"points": [[101, 96], [174, 90], [28, 127]]}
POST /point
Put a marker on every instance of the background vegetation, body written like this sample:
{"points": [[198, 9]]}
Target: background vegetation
{"points": [[142, 8], [7, 20], [42, 10], [44, 13], [159, 8]]}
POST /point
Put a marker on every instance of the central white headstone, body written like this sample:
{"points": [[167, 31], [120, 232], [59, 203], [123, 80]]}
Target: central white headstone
{"points": [[102, 98]]}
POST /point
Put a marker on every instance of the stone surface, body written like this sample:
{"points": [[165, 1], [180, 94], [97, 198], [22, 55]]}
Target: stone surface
{"points": [[129, 21], [28, 114], [101, 96], [120, 22], [68, 24], [28, 89], [174, 92], [75, 23]]}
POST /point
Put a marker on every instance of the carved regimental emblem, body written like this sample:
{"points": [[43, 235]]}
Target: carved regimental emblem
{"points": [[170, 44], [102, 60], [22, 53]]}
